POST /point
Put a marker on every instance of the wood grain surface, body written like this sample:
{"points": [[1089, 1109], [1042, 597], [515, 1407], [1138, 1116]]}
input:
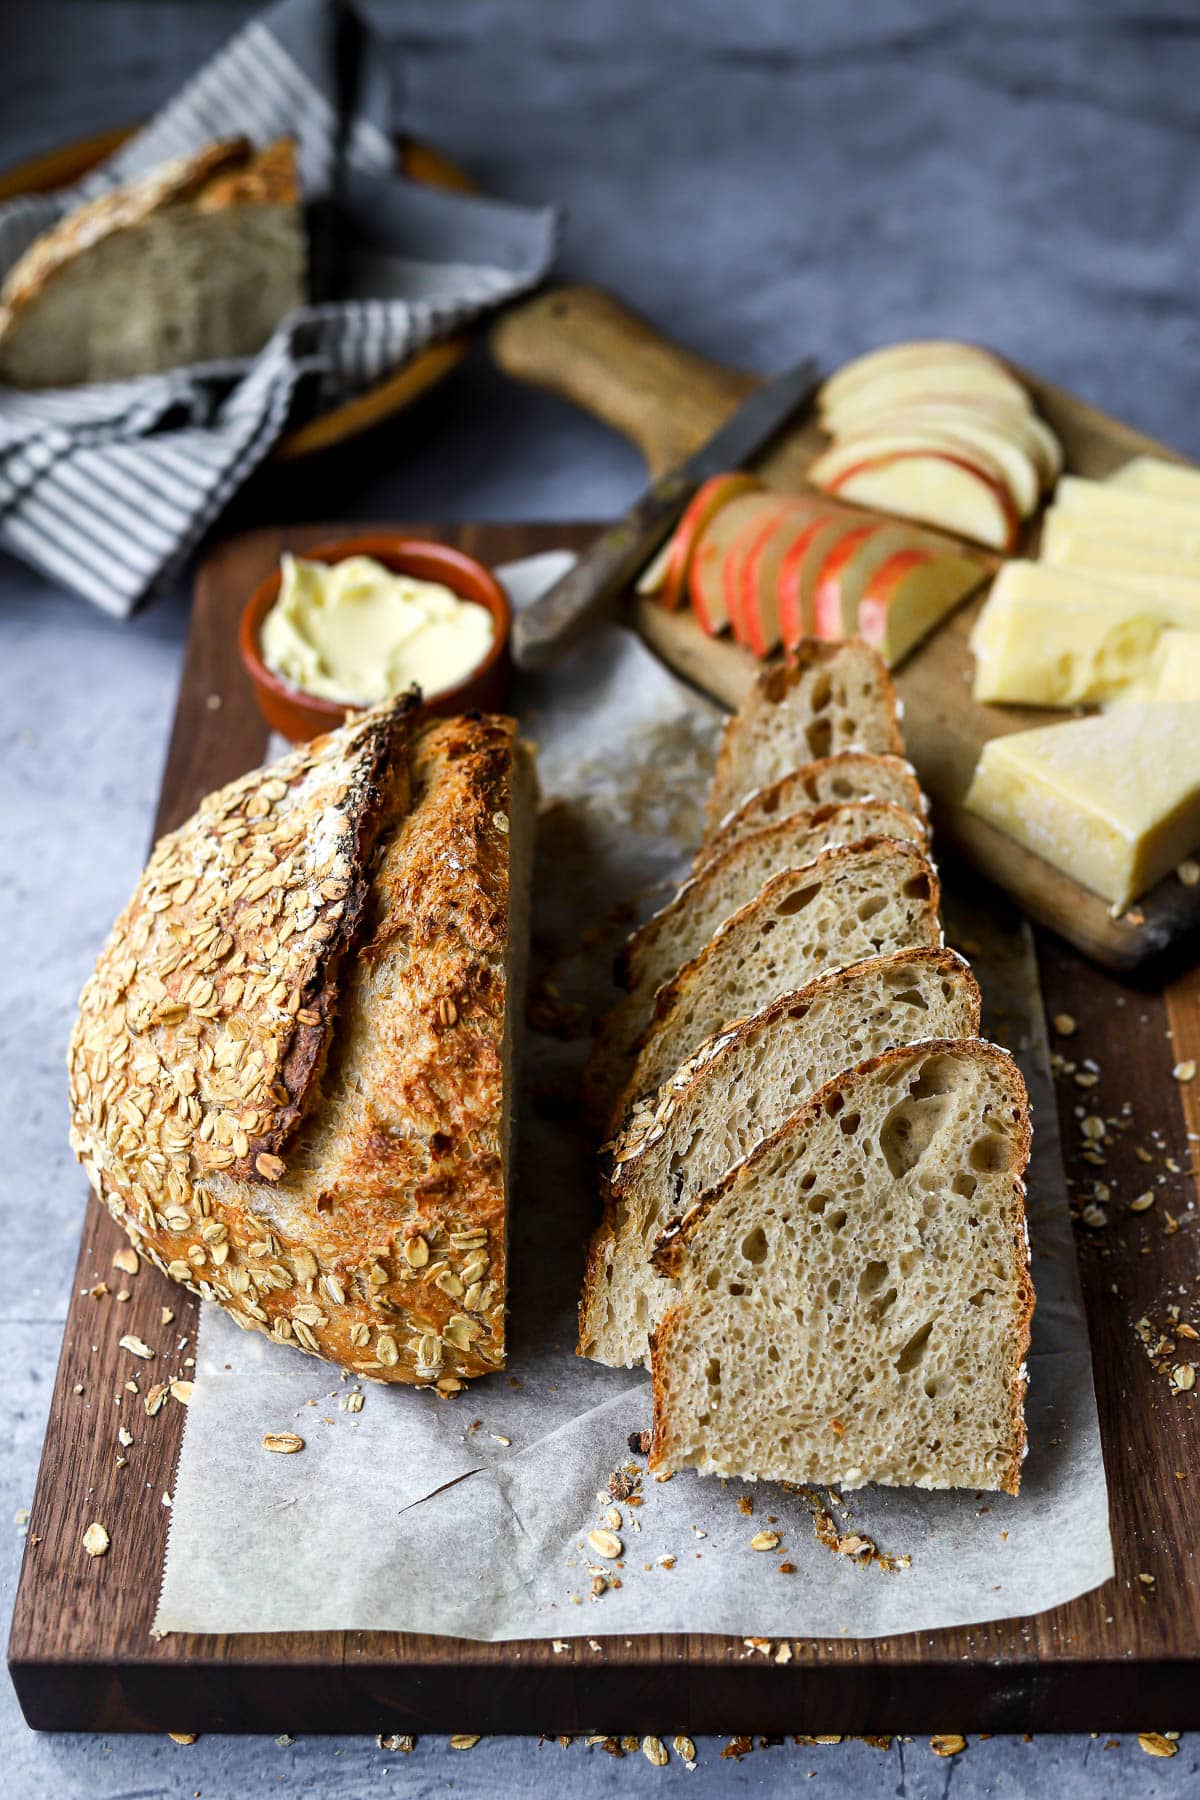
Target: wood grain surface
{"points": [[585, 346], [1123, 1657]]}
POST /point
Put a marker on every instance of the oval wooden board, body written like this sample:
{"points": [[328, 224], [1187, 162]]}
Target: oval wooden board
{"points": [[71, 162], [585, 346]]}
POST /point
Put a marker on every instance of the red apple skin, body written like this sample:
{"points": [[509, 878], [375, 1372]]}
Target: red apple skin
{"points": [[706, 571], [703, 506], [827, 595], [873, 607], [759, 605], [793, 624], [1003, 497], [740, 572]]}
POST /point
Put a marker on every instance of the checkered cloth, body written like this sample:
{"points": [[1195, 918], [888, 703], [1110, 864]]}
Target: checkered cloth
{"points": [[107, 488]]}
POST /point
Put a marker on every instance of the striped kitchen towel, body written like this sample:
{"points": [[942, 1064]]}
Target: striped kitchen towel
{"points": [[107, 488]]}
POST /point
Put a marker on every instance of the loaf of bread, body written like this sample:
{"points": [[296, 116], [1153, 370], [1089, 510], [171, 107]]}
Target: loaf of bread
{"points": [[854, 1299], [850, 777], [197, 261], [291, 1077], [734, 1091], [828, 698], [849, 904]]}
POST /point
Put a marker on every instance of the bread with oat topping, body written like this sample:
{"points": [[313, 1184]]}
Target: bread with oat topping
{"points": [[735, 1091], [197, 261], [854, 1298], [291, 1078], [849, 904], [850, 777], [825, 699]]}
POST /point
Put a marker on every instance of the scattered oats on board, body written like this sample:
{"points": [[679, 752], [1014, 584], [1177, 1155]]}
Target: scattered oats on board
{"points": [[947, 1744], [127, 1261], [135, 1347], [765, 1540], [96, 1540], [1157, 1743], [684, 1747], [464, 1740], [182, 1737], [605, 1543], [655, 1751], [1064, 1025], [395, 1740], [1185, 1071], [283, 1443], [1189, 871]]}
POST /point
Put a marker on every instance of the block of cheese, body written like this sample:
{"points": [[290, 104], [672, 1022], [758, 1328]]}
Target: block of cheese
{"points": [[1049, 638], [1113, 800], [1122, 546], [1110, 501], [1173, 674], [1152, 475]]}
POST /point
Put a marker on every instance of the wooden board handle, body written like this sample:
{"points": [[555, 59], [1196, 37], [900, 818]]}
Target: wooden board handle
{"points": [[585, 346]]}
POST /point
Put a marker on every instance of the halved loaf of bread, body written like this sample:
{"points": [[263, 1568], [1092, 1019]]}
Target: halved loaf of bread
{"points": [[195, 262], [855, 1297], [828, 698], [735, 1091], [850, 777], [850, 904], [673, 936]]}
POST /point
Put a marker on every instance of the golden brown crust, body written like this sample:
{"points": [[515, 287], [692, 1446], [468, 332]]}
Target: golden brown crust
{"points": [[772, 688], [797, 790], [382, 1243], [669, 1256], [270, 178], [81, 230]]}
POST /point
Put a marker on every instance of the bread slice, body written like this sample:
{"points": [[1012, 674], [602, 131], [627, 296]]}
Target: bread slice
{"points": [[735, 1091], [826, 698], [850, 904], [677, 933], [855, 1297], [291, 1078], [850, 777], [197, 261]]}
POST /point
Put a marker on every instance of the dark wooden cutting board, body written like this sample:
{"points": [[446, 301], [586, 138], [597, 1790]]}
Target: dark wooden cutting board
{"points": [[1124, 1657], [585, 346]]}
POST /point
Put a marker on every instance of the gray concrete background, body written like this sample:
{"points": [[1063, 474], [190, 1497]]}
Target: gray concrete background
{"points": [[763, 179]]}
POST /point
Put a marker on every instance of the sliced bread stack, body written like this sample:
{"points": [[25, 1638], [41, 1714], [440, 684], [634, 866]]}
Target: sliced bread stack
{"points": [[813, 1212]]}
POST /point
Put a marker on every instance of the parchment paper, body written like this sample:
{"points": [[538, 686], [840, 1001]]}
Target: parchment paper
{"points": [[470, 1517]]}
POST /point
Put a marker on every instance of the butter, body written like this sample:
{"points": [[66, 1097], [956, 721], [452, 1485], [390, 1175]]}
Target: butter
{"points": [[1113, 800], [1166, 480], [1048, 638], [354, 631], [1173, 672]]}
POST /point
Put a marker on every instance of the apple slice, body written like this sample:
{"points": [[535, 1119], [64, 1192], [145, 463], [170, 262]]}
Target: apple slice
{"points": [[948, 491], [909, 594], [752, 571], [1023, 430], [798, 572], [895, 390], [706, 570], [703, 506], [891, 358], [847, 571], [964, 434]]}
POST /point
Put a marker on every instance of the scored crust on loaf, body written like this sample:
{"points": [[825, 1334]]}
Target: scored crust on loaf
{"points": [[847, 905], [825, 699], [736, 1090], [855, 1297], [673, 936], [381, 1244], [852, 775]]}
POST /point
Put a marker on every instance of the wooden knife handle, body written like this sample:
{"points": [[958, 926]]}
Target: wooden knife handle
{"points": [[585, 346]]}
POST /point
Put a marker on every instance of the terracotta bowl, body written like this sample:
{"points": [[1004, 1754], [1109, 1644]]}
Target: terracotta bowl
{"points": [[300, 716]]}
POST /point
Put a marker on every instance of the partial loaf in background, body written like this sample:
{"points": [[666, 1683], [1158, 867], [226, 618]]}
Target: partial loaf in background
{"points": [[292, 1073], [196, 262]]}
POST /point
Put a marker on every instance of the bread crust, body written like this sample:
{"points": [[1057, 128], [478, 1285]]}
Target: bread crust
{"points": [[768, 802], [670, 1253], [388, 1217], [770, 689], [269, 178]]}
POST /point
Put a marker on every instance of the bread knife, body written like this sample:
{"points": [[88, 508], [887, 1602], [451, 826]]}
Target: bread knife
{"points": [[541, 632]]}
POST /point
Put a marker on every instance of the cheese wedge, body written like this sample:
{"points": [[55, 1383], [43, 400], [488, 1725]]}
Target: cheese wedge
{"points": [[1113, 800], [1167, 480], [1069, 542], [1173, 673], [1048, 638]]}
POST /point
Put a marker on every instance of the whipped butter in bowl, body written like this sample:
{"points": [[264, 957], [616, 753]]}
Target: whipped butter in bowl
{"points": [[347, 625]]}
